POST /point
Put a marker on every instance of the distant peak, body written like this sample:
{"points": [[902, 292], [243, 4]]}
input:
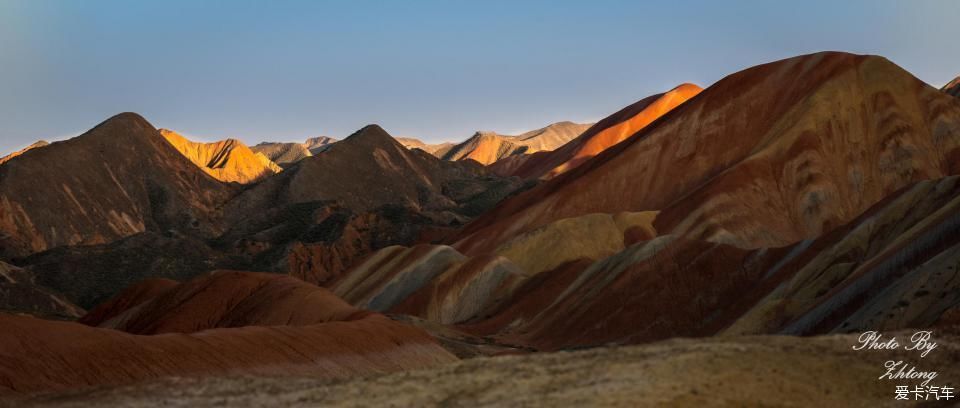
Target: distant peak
{"points": [[371, 134], [126, 124], [687, 86], [128, 118], [486, 134]]}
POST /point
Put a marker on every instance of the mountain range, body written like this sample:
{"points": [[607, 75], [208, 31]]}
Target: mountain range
{"points": [[812, 196], [489, 147]]}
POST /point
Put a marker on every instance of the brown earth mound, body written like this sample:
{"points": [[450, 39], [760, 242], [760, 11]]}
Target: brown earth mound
{"points": [[276, 325], [118, 179]]}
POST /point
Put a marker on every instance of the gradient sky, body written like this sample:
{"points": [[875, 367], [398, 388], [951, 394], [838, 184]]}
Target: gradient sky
{"points": [[437, 70]]}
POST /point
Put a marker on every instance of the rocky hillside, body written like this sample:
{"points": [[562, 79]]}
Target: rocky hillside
{"points": [[227, 160]]}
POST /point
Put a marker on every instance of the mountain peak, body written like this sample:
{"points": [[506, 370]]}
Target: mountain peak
{"points": [[371, 135], [127, 119]]}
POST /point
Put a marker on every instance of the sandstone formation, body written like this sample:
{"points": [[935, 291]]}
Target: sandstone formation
{"points": [[118, 179], [286, 154], [223, 299], [489, 147], [437, 150], [130, 298], [318, 144], [892, 268], [814, 195], [603, 135], [262, 325], [10, 156], [227, 160], [283, 154], [369, 169], [363, 194], [760, 159], [868, 240]]}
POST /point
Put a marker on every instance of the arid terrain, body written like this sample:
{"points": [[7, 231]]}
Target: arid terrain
{"points": [[723, 245]]}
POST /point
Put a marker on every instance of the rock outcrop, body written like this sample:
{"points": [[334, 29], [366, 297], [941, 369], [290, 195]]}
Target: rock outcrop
{"points": [[227, 160]]}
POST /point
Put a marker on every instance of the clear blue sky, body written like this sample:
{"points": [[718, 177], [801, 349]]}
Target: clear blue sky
{"points": [[437, 70]]}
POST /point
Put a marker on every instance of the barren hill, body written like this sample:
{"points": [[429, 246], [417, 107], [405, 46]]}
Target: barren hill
{"points": [[286, 154], [603, 135], [118, 179], [227, 160], [489, 147], [318, 341], [435, 149], [36, 145], [765, 157]]}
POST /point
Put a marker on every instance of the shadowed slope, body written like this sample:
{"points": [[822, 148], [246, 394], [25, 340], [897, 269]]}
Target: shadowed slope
{"points": [[131, 297], [953, 88], [284, 154], [367, 170], [318, 144], [19, 293], [891, 268], [118, 179], [227, 160], [365, 193], [17, 153], [766, 157], [41, 355], [311, 333], [225, 299], [437, 150]]}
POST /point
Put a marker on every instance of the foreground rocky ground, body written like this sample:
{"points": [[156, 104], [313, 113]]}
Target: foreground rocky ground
{"points": [[741, 371]]}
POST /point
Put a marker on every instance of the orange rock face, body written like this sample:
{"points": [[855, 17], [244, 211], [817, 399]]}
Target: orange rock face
{"points": [[606, 133], [766, 157], [488, 147], [227, 160], [310, 333]]}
